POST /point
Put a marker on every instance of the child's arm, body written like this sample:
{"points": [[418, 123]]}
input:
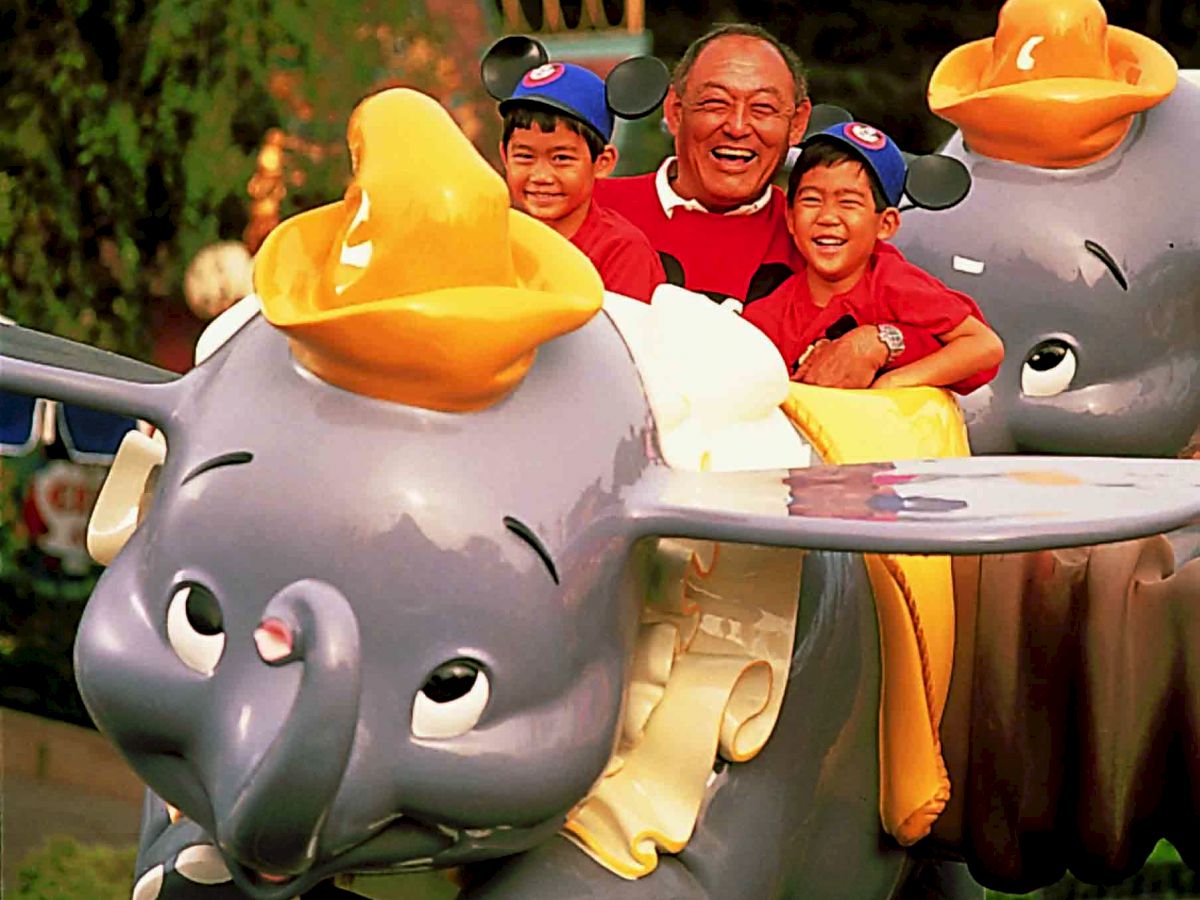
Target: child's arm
{"points": [[966, 349]]}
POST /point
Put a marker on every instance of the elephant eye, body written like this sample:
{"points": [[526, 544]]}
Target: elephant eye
{"points": [[451, 700], [195, 627], [1048, 369]]}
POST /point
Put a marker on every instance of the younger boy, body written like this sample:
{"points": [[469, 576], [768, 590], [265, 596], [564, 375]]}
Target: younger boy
{"points": [[555, 144], [843, 195]]}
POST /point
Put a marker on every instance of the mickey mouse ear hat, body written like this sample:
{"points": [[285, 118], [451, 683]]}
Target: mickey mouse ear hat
{"points": [[507, 61], [930, 182], [517, 71], [1056, 87]]}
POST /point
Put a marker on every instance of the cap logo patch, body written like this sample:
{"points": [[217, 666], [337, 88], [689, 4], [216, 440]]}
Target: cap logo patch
{"points": [[865, 135], [543, 75]]}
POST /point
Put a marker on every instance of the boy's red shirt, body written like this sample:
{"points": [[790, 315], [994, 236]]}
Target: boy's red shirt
{"points": [[621, 254], [892, 290]]}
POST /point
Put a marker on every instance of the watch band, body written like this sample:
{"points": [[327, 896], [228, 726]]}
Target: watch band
{"points": [[892, 338]]}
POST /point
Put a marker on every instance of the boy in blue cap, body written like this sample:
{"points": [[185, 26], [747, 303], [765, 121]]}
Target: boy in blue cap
{"points": [[843, 195], [555, 144]]}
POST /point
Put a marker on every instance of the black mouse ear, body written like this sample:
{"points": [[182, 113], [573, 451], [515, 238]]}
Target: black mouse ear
{"points": [[507, 61], [635, 87], [825, 115], [936, 182]]}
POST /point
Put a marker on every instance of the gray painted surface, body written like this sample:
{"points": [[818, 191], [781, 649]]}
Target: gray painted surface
{"points": [[376, 533], [1136, 389]]}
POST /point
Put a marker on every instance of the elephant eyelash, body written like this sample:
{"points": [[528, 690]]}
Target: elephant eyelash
{"points": [[236, 458], [1103, 255], [525, 533]]}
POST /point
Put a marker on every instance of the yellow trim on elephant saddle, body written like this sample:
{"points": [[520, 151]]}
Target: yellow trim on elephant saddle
{"points": [[914, 595]]}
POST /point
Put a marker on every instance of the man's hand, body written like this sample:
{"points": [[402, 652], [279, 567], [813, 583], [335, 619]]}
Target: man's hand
{"points": [[849, 362]]}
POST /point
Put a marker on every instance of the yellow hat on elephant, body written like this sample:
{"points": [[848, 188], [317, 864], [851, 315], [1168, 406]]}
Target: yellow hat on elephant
{"points": [[1056, 87], [421, 286]]}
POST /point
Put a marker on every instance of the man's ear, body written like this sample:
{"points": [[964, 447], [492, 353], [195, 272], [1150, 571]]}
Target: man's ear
{"points": [[889, 223], [673, 110], [799, 122], [605, 162]]}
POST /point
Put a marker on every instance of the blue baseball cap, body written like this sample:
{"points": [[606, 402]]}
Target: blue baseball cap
{"points": [[568, 89], [878, 152]]}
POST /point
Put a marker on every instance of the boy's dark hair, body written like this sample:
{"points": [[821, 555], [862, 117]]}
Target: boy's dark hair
{"points": [[828, 153], [543, 119], [740, 29]]}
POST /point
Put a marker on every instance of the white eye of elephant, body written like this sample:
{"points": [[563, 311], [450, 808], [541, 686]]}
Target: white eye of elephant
{"points": [[195, 628], [451, 700], [1049, 369]]}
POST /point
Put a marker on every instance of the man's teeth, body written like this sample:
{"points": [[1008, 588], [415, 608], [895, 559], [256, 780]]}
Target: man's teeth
{"points": [[730, 153], [828, 242]]}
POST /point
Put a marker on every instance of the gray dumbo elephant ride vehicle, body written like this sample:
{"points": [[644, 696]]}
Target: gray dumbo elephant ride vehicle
{"points": [[442, 559], [1079, 238]]}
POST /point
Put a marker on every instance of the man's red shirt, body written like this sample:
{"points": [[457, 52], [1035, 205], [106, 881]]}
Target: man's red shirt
{"points": [[621, 254], [739, 256], [892, 290], [745, 256]]}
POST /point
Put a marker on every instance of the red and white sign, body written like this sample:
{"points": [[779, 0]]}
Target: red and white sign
{"points": [[63, 494]]}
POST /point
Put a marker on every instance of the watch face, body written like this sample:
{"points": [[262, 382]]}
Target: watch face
{"points": [[893, 339]]}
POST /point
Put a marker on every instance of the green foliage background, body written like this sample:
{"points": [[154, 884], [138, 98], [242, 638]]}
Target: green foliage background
{"points": [[129, 131], [67, 870]]}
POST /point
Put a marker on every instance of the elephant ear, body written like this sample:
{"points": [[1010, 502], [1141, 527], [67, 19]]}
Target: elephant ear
{"points": [[507, 61], [41, 365], [936, 182], [971, 505], [635, 87]]}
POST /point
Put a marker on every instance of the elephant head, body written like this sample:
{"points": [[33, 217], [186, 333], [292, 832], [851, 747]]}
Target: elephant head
{"points": [[1079, 240]]}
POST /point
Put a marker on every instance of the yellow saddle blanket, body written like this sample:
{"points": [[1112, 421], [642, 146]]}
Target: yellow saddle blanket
{"points": [[914, 595]]}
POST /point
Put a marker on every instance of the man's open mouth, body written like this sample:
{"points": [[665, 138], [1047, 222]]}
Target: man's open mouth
{"points": [[734, 156], [829, 241]]}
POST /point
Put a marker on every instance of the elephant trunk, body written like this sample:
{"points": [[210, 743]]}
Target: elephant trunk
{"points": [[274, 823]]}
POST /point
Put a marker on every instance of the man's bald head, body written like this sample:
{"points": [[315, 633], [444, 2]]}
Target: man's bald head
{"points": [[738, 101], [741, 29]]}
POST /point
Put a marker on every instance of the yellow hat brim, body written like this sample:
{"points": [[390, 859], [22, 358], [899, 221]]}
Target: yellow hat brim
{"points": [[1051, 122], [454, 349]]}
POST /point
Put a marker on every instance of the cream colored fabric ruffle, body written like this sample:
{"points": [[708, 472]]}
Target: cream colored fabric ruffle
{"points": [[708, 678]]}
